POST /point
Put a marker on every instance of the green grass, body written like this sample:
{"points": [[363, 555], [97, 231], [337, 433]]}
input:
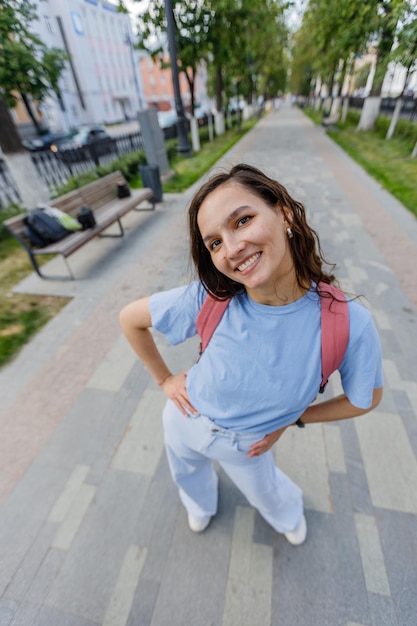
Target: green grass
{"points": [[388, 161], [21, 316]]}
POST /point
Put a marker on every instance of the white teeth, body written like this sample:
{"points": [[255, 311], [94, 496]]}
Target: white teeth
{"points": [[249, 262]]}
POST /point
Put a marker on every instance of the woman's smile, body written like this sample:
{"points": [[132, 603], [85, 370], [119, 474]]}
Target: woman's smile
{"points": [[247, 265]]}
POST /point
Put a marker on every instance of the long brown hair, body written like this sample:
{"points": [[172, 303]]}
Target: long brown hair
{"points": [[305, 244]]}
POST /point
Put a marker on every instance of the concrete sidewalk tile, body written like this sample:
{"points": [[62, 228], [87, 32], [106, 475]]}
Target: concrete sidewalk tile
{"points": [[143, 603], [74, 518], [142, 445], [45, 577], [372, 558], [389, 462], [392, 375], [30, 565], [249, 587], [51, 617], [312, 475], [334, 448], [114, 368], [381, 319], [70, 491], [8, 609], [398, 537], [121, 601], [87, 578], [383, 612]]}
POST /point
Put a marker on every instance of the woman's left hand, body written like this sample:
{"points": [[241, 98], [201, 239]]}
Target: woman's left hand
{"points": [[260, 447]]}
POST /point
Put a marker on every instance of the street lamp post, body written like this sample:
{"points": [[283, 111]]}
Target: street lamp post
{"points": [[183, 143]]}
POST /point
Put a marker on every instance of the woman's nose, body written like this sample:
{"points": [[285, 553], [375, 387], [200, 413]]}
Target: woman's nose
{"points": [[233, 246]]}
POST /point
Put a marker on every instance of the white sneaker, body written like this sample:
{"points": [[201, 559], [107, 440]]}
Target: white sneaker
{"points": [[198, 525], [298, 536]]}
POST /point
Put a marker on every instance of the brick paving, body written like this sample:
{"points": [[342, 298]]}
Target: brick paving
{"points": [[91, 530]]}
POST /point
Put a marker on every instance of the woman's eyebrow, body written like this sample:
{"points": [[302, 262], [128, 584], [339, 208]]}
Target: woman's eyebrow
{"points": [[230, 218]]}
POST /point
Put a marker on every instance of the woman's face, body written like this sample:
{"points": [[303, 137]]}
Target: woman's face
{"points": [[247, 239]]}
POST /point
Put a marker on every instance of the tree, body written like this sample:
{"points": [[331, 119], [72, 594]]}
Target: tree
{"points": [[191, 23], [27, 66], [335, 32], [404, 53], [388, 17], [10, 141], [240, 41]]}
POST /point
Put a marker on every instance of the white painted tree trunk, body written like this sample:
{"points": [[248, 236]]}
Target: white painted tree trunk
{"points": [[31, 188], [345, 108], [395, 118], [327, 105], [334, 111], [195, 136], [370, 112], [219, 123], [317, 103], [414, 152], [210, 126]]}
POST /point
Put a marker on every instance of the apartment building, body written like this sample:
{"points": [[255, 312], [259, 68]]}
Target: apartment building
{"points": [[102, 81]]}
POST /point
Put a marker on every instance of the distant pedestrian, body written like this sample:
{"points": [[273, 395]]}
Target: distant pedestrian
{"points": [[261, 371]]}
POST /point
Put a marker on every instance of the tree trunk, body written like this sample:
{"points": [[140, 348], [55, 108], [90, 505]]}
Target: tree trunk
{"points": [[335, 110], [9, 137], [345, 109], [219, 89], [29, 109], [395, 118], [369, 113], [29, 186], [414, 152]]}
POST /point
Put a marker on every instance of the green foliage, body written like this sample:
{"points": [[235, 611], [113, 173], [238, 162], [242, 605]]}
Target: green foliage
{"points": [[27, 66], [406, 130], [128, 165], [241, 42]]}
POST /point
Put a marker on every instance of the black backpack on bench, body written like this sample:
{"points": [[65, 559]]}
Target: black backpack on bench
{"points": [[43, 229]]}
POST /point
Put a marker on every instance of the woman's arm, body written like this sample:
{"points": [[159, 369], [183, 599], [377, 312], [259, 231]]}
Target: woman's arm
{"points": [[338, 408], [333, 410], [135, 321]]}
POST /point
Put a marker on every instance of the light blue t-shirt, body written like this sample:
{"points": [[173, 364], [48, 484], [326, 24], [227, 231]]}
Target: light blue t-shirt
{"points": [[262, 367]]}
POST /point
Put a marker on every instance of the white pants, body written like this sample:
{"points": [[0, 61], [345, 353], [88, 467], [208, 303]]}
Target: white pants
{"points": [[193, 443]]}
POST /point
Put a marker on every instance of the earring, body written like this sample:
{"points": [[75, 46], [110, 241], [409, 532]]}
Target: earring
{"points": [[289, 233]]}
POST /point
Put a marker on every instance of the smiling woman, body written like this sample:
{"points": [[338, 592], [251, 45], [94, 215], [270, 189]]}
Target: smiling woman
{"points": [[262, 369]]}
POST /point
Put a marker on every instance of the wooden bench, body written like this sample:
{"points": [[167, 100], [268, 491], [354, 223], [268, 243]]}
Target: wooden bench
{"points": [[101, 197]]}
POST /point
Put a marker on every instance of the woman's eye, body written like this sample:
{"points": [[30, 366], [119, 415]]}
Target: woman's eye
{"points": [[214, 244], [243, 220]]}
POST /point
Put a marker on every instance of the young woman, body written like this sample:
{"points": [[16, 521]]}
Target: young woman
{"points": [[261, 371]]}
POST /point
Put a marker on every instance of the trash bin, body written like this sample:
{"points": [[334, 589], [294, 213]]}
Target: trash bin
{"points": [[150, 178]]}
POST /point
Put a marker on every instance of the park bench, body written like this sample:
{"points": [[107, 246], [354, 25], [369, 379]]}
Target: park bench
{"points": [[101, 197]]}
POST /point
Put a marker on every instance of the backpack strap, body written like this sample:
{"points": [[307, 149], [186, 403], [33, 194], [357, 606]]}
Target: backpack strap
{"points": [[334, 331], [334, 327], [209, 318]]}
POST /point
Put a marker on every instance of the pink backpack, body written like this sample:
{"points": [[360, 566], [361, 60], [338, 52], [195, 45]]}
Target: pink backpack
{"points": [[334, 327]]}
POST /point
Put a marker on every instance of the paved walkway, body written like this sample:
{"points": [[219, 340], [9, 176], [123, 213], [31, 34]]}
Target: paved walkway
{"points": [[91, 530]]}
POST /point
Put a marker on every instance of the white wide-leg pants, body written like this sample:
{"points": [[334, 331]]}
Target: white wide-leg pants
{"points": [[193, 443]]}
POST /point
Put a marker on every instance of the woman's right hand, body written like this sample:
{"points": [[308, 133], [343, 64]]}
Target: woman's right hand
{"points": [[175, 388]]}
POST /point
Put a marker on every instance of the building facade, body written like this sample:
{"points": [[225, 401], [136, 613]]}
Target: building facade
{"points": [[101, 83]]}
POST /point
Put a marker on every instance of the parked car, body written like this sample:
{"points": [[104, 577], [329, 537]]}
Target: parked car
{"points": [[89, 142], [44, 141]]}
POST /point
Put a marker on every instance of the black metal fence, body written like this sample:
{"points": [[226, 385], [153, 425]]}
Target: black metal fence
{"points": [[56, 168], [409, 108], [9, 193]]}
